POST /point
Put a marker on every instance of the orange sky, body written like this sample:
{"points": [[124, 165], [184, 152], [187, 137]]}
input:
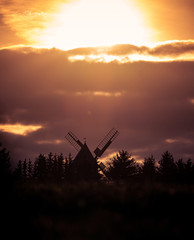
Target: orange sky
{"points": [[27, 22], [140, 80], [171, 19]]}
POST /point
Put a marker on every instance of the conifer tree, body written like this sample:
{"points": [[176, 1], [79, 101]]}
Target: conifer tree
{"points": [[30, 169], [18, 170], [40, 168], [149, 168], [68, 168], [122, 166], [4, 163], [50, 164], [167, 167], [189, 171], [24, 168], [181, 177], [60, 160]]}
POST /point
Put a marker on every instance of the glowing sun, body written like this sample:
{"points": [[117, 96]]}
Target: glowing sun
{"points": [[93, 23]]}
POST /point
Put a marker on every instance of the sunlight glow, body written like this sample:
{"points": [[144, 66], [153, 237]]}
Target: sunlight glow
{"points": [[178, 140], [45, 142], [100, 94], [105, 58], [106, 159], [86, 23], [19, 128]]}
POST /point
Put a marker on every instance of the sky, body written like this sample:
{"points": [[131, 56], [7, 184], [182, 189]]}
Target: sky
{"points": [[86, 66]]}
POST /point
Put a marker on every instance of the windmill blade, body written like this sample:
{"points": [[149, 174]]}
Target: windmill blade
{"points": [[105, 143], [75, 142], [102, 166], [103, 169]]}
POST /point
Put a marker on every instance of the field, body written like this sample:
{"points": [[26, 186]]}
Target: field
{"points": [[97, 211]]}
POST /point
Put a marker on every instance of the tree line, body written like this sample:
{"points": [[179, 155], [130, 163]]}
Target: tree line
{"points": [[124, 167], [121, 168]]}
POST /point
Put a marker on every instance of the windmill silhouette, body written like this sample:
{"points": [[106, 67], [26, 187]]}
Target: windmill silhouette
{"points": [[86, 165]]}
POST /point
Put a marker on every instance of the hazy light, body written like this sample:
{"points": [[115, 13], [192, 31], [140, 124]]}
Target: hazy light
{"points": [[105, 58], [178, 140], [95, 23], [100, 94], [54, 141], [192, 100]]}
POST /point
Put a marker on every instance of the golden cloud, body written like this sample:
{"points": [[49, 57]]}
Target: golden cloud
{"points": [[19, 129], [53, 141], [124, 53], [100, 94]]}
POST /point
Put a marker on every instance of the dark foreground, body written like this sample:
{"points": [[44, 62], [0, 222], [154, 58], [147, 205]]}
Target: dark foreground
{"points": [[97, 211]]}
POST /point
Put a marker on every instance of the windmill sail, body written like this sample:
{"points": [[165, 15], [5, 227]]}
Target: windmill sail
{"points": [[85, 165], [75, 142], [105, 143], [102, 167]]}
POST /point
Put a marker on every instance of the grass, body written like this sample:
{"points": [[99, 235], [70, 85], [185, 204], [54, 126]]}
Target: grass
{"points": [[98, 211]]}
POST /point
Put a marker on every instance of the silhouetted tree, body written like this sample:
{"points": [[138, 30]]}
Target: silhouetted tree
{"points": [[50, 164], [55, 167], [68, 165], [40, 168], [122, 167], [30, 169], [50, 168], [185, 171], [167, 167], [60, 166], [5, 170], [180, 170], [189, 171], [18, 170], [149, 168], [24, 168]]}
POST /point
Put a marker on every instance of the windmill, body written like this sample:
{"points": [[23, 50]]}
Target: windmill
{"points": [[85, 164]]}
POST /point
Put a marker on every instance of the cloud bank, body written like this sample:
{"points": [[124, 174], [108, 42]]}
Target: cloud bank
{"points": [[166, 51], [149, 102]]}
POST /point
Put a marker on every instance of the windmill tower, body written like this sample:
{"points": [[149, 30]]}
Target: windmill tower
{"points": [[85, 165]]}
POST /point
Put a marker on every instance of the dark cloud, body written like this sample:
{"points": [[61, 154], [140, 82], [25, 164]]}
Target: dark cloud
{"points": [[173, 49], [120, 49], [42, 87], [168, 49]]}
